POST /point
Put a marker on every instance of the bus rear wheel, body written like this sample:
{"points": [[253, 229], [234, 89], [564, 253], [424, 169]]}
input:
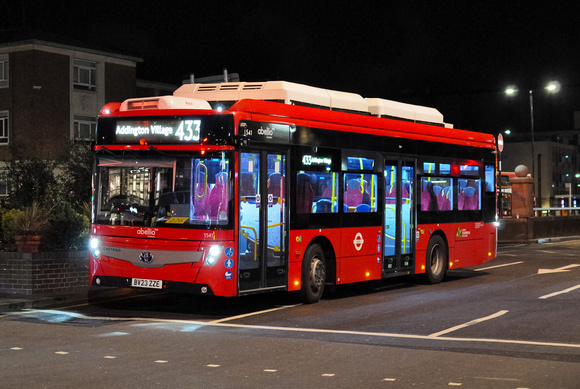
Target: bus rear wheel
{"points": [[436, 260], [313, 274]]}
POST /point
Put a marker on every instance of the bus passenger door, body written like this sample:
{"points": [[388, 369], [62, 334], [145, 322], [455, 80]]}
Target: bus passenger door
{"points": [[399, 219], [263, 222]]}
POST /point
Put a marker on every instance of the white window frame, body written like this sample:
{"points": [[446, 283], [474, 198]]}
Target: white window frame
{"points": [[4, 128], [83, 121], [84, 69], [4, 70]]}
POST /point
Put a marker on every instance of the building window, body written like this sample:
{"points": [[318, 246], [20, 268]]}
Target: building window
{"points": [[84, 128], [3, 127], [3, 70], [3, 183], [84, 75]]}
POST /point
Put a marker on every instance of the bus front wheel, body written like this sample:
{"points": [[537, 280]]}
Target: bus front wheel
{"points": [[313, 274], [436, 260]]}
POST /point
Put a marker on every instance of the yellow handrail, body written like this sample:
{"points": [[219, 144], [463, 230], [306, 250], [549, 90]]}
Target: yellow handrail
{"points": [[255, 240]]}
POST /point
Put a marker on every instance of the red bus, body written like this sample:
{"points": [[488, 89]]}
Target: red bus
{"points": [[237, 188]]}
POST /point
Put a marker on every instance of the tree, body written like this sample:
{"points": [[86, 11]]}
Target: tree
{"points": [[29, 178], [75, 177]]}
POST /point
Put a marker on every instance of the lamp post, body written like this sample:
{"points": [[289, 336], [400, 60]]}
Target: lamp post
{"points": [[551, 87]]}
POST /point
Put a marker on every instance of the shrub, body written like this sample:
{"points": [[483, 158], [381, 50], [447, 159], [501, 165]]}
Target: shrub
{"points": [[9, 225], [67, 230]]}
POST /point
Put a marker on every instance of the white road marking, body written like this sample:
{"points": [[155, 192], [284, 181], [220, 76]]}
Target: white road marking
{"points": [[270, 370], [16, 348], [455, 384], [110, 357], [339, 332], [253, 313], [61, 352], [389, 379], [212, 365], [161, 361], [476, 321], [558, 270], [496, 266], [328, 375], [547, 296]]}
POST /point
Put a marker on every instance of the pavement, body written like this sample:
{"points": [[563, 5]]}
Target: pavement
{"points": [[10, 302], [80, 296]]}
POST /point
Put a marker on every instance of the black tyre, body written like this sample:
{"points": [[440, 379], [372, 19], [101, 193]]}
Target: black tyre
{"points": [[436, 260], [313, 274]]}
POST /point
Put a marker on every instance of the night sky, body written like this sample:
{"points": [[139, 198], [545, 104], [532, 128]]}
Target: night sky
{"points": [[456, 56]]}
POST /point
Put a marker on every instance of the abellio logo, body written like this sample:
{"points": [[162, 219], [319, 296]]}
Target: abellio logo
{"points": [[149, 232]]}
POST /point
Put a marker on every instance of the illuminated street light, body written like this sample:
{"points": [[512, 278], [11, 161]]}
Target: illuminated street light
{"points": [[551, 87], [511, 90]]}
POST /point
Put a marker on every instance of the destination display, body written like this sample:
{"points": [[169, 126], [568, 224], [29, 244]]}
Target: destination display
{"points": [[162, 130]]}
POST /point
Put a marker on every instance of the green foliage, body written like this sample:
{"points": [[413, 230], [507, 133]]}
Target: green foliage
{"points": [[9, 225], [68, 230], [46, 204], [30, 179], [28, 221], [75, 179]]}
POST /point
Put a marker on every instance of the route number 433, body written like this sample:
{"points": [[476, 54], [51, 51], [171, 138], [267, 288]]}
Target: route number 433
{"points": [[188, 130]]}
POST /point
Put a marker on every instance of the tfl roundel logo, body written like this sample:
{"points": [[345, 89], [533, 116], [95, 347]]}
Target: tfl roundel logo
{"points": [[358, 241]]}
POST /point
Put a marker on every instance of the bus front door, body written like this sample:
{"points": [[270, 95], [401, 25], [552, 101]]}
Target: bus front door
{"points": [[399, 221], [263, 256]]}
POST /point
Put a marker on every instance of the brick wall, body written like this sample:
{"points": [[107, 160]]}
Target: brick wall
{"points": [[48, 272]]}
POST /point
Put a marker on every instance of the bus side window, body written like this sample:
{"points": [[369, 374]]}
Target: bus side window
{"points": [[436, 194], [360, 194], [468, 198], [320, 188]]}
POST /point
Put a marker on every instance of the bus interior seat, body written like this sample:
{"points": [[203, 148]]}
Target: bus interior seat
{"points": [[363, 208], [247, 184], [323, 206], [304, 193]]}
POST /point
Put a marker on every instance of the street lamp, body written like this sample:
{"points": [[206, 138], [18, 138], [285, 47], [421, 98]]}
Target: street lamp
{"points": [[551, 87]]}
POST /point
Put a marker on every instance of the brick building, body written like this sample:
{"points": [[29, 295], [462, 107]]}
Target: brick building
{"points": [[51, 93]]}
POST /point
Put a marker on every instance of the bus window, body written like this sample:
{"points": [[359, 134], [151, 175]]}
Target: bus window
{"points": [[436, 194], [429, 167], [317, 192], [360, 192], [358, 163], [489, 178], [444, 168], [469, 195], [469, 170]]}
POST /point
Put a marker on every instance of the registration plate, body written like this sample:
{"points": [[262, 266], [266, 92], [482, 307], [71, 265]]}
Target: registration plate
{"points": [[143, 283]]}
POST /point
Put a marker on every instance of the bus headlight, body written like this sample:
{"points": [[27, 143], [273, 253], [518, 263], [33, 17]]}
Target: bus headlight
{"points": [[213, 254], [94, 247]]}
